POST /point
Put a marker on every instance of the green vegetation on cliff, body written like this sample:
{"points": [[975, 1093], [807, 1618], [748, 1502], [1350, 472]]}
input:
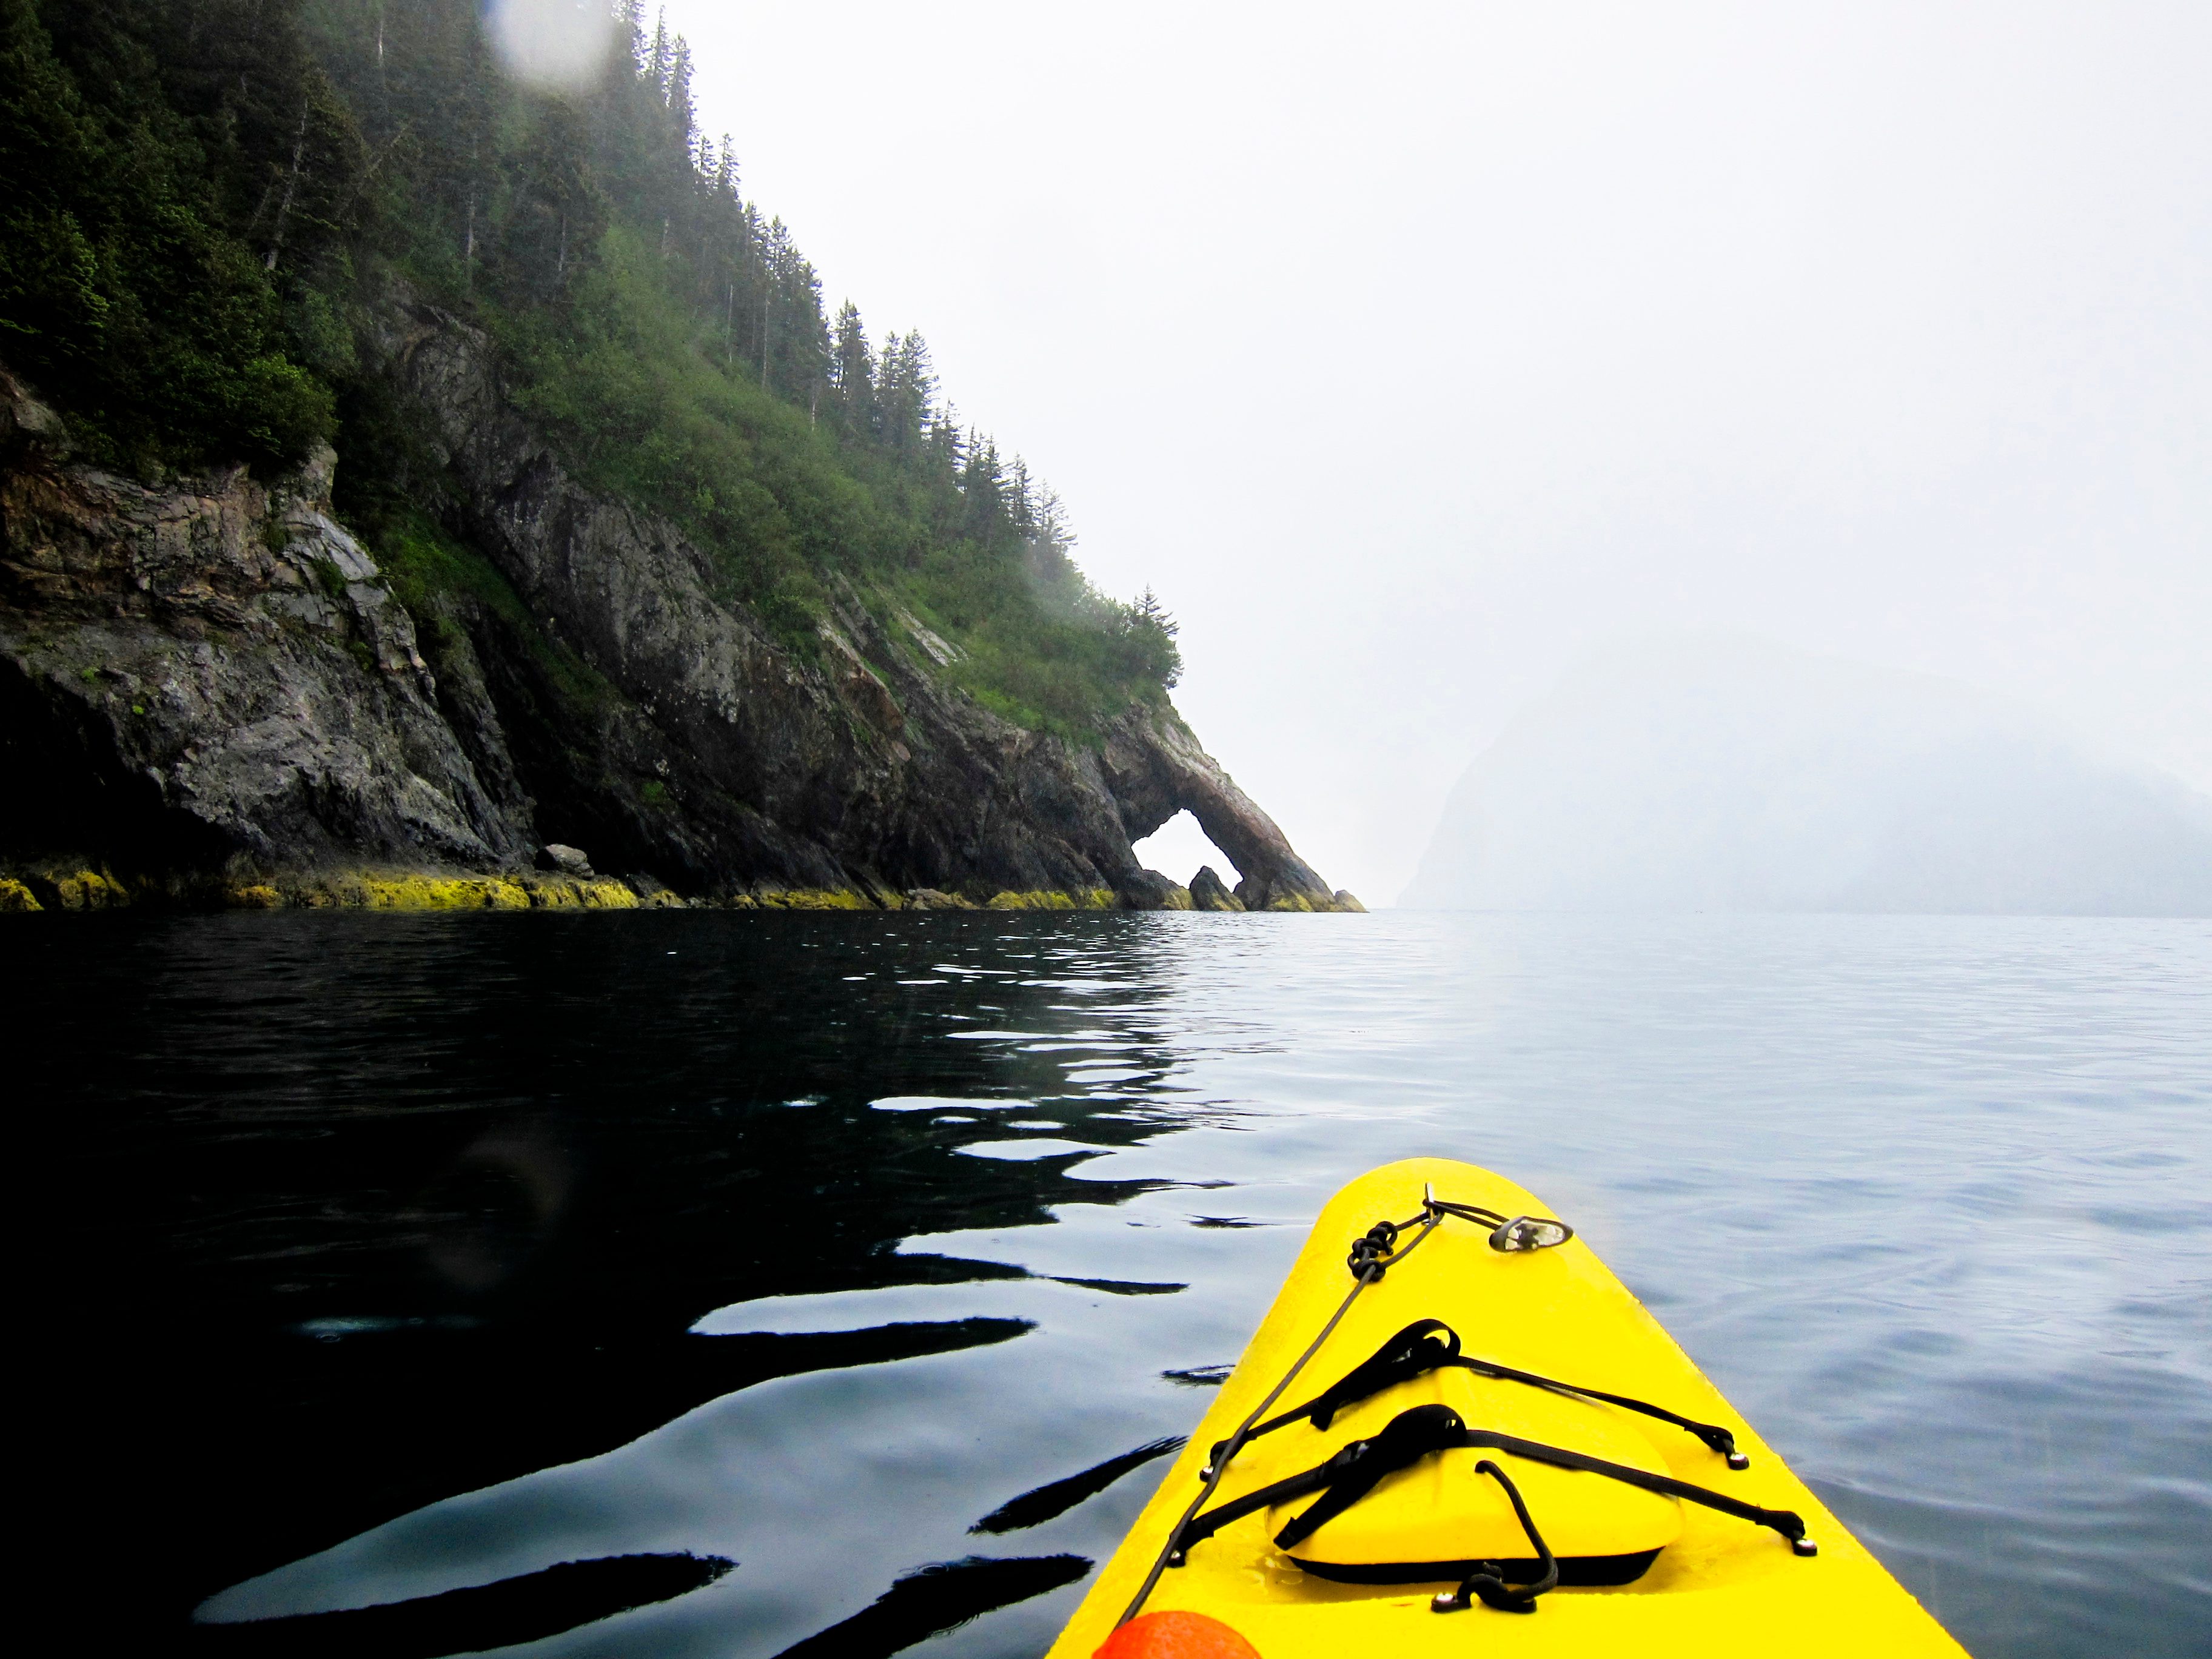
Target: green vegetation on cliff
{"points": [[201, 202]]}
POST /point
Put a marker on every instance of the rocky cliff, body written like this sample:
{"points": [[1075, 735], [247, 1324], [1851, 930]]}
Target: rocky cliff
{"points": [[209, 688]]}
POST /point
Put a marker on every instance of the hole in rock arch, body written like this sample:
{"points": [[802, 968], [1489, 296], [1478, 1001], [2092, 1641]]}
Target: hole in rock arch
{"points": [[1178, 846]]}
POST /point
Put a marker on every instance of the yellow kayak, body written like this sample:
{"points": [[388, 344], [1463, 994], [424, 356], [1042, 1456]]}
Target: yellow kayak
{"points": [[1456, 1426]]}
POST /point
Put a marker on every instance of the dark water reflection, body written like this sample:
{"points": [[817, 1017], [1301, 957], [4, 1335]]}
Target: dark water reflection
{"points": [[387, 1266]]}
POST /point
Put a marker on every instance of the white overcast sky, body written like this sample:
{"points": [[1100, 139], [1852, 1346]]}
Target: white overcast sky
{"points": [[1413, 353]]}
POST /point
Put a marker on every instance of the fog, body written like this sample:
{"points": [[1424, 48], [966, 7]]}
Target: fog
{"points": [[1413, 355], [1712, 772]]}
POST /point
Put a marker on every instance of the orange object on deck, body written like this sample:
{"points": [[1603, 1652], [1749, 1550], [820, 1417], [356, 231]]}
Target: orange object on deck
{"points": [[1175, 1635]]}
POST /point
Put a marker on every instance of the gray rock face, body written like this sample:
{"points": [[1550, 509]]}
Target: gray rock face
{"points": [[215, 669], [568, 860], [215, 672], [1157, 769], [1209, 892]]}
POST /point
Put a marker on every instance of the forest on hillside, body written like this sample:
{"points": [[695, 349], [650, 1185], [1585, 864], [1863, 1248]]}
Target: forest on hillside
{"points": [[202, 202]]}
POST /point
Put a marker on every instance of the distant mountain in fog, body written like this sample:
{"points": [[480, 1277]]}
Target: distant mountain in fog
{"points": [[1733, 774]]}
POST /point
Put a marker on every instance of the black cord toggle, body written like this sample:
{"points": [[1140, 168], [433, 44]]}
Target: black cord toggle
{"points": [[1373, 1252], [1487, 1582]]}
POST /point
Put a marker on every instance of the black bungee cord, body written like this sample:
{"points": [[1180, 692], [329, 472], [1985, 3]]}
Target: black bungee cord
{"points": [[1353, 1471], [1374, 1253]]}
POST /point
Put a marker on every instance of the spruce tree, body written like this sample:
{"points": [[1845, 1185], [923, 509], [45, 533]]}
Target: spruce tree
{"points": [[202, 200]]}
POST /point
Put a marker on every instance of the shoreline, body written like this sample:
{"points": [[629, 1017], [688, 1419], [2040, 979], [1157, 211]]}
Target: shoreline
{"points": [[75, 886]]}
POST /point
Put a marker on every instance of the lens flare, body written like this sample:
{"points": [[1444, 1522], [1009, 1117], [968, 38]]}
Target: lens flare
{"points": [[557, 44]]}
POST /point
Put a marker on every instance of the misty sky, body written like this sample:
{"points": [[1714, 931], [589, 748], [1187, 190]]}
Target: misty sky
{"points": [[1413, 353]]}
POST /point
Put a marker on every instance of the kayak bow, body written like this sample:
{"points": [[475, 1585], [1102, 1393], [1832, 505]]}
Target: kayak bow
{"points": [[1469, 1416]]}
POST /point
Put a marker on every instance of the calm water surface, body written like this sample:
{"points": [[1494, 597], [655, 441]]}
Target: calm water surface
{"points": [[381, 1267]]}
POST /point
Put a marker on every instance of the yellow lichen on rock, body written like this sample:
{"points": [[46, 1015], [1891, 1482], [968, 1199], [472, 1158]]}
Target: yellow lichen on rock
{"points": [[930, 898], [1033, 901], [376, 890], [1088, 898], [85, 889], [606, 894], [578, 893], [815, 898], [89, 889], [417, 892]]}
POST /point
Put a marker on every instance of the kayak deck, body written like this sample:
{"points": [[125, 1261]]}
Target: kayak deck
{"points": [[1720, 1588]]}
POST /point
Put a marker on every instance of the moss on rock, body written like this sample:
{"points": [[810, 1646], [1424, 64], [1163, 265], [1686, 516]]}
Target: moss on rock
{"points": [[1093, 899], [815, 898], [411, 889], [77, 889], [930, 898]]}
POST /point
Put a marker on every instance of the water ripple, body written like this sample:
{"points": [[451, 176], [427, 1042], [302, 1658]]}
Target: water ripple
{"points": [[474, 1247]]}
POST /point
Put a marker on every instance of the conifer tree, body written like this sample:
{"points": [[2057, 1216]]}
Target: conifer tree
{"points": [[197, 195], [682, 113], [557, 213], [905, 389], [982, 488], [1052, 527]]}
